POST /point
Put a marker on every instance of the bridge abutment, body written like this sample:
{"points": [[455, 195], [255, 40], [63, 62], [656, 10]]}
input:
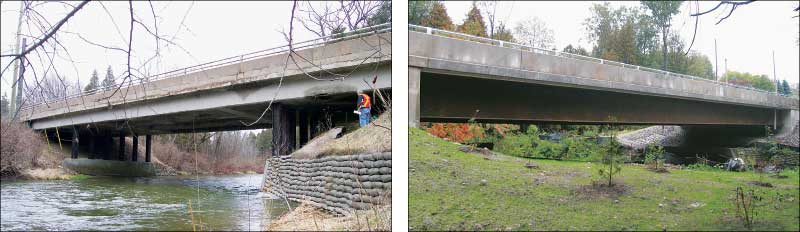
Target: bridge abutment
{"points": [[414, 74]]}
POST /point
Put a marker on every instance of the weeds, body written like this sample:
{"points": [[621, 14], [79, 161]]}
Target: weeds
{"points": [[745, 206]]}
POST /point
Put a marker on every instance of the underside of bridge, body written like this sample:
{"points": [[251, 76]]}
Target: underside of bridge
{"points": [[306, 117], [454, 98]]}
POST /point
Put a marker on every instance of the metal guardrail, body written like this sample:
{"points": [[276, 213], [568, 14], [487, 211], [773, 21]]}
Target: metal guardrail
{"points": [[361, 32], [450, 34]]}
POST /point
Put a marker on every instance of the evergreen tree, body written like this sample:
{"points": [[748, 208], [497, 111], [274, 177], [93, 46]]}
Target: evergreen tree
{"points": [[419, 11], [93, 82], [474, 24], [383, 15], [109, 80], [786, 89], [438, 18]]}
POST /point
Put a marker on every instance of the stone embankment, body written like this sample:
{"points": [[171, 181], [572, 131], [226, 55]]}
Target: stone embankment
{"points": [[339, 184], [666, 136]]}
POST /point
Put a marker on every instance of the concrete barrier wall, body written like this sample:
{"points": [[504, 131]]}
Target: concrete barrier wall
{"points": [[98, 167], [339, 184], [489, 61]]}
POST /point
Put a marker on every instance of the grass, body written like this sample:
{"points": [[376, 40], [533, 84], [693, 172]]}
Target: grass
{"points": [[446, 192], [80, 177]]}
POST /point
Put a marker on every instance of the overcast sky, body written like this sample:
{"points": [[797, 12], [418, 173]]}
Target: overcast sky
{"points": [[221, 29], [746, 39], [215, 30]]}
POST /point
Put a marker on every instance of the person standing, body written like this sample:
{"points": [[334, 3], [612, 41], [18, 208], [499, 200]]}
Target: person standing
{"points": [[364, 108]]}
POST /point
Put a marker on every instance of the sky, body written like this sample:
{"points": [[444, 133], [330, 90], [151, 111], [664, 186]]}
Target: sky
{"points": [[746, 39], [213, 30]]}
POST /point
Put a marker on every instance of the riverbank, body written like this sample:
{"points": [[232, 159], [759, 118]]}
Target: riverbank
{"points": [[308, 218], [453, 190]]}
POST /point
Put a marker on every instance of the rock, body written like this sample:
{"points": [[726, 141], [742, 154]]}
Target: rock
{"points": [[660, 205], [532, 165], [464, 149], [483, 182], [616, 201], [486, 151], [486, 158], [435, 152], [696, 204]]}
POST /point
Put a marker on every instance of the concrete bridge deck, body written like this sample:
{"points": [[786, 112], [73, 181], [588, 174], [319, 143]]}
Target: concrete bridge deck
{"points": [[228, 94], [454, 77]]}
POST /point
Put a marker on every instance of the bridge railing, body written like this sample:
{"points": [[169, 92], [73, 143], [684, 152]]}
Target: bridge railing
{"points": [[361, 32], [462, 36]]}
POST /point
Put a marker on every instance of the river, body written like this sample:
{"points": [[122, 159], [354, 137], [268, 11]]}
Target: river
{"points": [[230, 202]]}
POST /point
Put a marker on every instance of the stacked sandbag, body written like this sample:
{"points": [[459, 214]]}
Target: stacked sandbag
{"points": [[339, 184]]}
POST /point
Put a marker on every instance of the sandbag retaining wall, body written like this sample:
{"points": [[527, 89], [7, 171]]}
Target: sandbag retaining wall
{"points": [[339, 184]]}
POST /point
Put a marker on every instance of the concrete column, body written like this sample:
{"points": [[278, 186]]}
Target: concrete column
{"points": [[92, 146], [75, 138], [282, 130], [121, 145], [148, 139], [109, 146], [304, 128], [314, 124], [135, 149], [413, 96], [292, 135]]}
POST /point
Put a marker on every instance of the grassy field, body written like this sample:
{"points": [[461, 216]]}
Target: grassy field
{"points": [[453, 190]]}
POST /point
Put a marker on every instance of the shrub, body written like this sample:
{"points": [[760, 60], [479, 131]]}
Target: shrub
{"points": [[23, 149], [654, 157]]}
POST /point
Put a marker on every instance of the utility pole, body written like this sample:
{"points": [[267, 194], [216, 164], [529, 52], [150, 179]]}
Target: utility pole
{"points": [[19, 79], [17, 50], [716, 61], [774, 73]]}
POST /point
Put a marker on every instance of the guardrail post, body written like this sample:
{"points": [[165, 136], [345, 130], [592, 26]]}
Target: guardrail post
{"points": [[121, 151], [428, 30]]}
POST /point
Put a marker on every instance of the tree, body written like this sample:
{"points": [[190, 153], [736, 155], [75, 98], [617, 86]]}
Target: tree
{"points": [[490, 7], [607, 24], [419, 11], [474, 24], [662, 12], [612, 161], [746, 79], [382, 15], [580, 51], [438, 18], [109, 80], [534, 32], [786, 89], [700, 66], [503, 34], [93, 82]]}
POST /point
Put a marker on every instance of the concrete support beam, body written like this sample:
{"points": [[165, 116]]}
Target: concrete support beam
{"points": [[135, 148], [414, 74], [148, 139], [121, 150], [75, 138], [303, 125], [282, 130]]}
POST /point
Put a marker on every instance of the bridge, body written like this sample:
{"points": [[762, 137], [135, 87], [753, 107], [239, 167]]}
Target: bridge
{"points": [[318, 84], [455, 77]]}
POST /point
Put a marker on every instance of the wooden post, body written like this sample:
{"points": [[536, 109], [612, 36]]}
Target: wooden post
{"points": [[75, 138], [135, 149], [122, 145], [303, 125], [147, 141], [292, 132]]}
